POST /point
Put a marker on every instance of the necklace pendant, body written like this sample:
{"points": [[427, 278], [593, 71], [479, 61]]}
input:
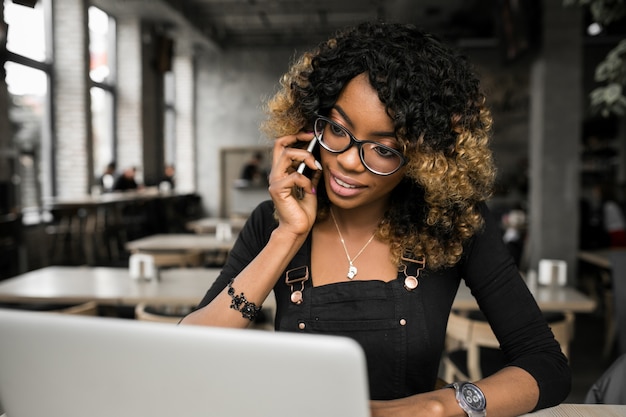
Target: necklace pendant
{"points": [[352, 271]]}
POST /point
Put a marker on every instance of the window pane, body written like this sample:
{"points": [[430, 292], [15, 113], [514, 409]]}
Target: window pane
{"points": [[102, 121], [25, 81], [27, 112], [26, 34], [100, 38]]}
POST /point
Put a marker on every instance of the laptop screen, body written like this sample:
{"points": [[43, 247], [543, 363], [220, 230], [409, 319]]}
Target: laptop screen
{"points": [[54, 365]]}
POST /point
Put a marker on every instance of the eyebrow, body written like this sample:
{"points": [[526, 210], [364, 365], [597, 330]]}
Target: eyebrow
{"points": [[380, 134]]}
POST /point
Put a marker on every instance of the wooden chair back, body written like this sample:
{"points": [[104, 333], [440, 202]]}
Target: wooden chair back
{"points": [[88, 308], [471, 335]]}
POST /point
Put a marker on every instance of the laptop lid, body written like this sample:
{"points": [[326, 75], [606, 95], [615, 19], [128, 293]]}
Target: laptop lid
{"points": [[54, 365]]}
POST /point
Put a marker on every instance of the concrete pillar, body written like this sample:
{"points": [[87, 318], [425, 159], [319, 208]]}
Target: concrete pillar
{"points": [[152, 102], [70, 93], [555, 139]]}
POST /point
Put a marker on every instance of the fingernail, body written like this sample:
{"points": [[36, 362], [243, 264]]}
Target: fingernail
{"points": [[318, 165], [313, 190]]}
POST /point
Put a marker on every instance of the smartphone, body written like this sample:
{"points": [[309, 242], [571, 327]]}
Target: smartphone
{"points": [[309, 148], [301, 168]]}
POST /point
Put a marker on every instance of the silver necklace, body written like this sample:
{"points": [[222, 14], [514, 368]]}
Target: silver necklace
{"points": [[352, 270]]}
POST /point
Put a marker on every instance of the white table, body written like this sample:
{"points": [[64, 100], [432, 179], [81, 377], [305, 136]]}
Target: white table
{"points": [[184, 249], [173, 242], [209, 225], [71, 284], [106, 286], [549, 298], [581, 410], [111, 286], [571, 410]]}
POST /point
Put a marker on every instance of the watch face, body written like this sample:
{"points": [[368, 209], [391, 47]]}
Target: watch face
{"points": [[473, 397]]}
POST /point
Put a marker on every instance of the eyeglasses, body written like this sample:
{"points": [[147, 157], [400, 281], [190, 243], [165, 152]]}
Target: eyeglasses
{"points": [[377, 158]]}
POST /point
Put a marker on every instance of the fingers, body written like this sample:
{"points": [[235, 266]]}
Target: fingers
{"points": [[288, 178], [305, 186], [293, 152]]}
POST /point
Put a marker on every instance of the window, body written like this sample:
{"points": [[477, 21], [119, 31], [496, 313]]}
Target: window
{"points": [[28, 78], [102, 75], [27, 30]]}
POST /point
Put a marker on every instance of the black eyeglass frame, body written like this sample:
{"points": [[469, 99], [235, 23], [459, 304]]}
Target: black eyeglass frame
{"points": [[359, 143]]}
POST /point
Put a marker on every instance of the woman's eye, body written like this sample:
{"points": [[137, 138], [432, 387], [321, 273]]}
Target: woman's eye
{"points": [[384, 151], [337, 131]]}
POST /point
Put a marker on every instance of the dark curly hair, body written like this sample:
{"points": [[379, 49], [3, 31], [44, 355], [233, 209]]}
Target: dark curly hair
{"points": [[433, 97]]}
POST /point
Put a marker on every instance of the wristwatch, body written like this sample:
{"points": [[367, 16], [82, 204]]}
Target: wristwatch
{"points": [[470, 398]]}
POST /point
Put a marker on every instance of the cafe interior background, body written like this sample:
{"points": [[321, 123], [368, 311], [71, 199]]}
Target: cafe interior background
{"points": [[151, 83]]}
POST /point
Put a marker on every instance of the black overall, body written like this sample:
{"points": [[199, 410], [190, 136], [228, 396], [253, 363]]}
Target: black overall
{"points": [[382, 316], [403, 332]]}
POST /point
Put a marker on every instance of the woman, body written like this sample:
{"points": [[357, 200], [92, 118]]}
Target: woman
{"points": [[374, 245]]}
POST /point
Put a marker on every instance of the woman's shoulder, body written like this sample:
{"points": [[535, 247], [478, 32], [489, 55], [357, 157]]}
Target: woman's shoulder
{"points": [[265, 209], [262, 217]]}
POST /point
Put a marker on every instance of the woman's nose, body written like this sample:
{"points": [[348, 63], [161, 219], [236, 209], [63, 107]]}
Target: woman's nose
{"points": [[350, 160]]}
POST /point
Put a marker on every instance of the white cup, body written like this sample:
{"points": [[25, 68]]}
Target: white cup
{"points": [[552, 272]]}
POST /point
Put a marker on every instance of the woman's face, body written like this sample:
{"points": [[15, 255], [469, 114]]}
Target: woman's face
{"points": [[349, 183]]}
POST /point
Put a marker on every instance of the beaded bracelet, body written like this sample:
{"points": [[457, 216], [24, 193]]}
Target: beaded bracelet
{"points": [[247, 309]]}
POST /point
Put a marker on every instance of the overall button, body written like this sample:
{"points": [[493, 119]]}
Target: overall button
{"points": [[301, 326], [402, 322]]}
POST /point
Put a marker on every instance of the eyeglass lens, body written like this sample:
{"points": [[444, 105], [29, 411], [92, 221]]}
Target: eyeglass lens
{"points": [[378, 158]]}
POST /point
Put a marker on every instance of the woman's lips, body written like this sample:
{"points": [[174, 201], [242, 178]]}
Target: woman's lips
{"points": [[344, 187], [343, 183]]}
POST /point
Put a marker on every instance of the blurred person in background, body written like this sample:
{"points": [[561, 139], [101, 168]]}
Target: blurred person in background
{"points": [[127, 180]]}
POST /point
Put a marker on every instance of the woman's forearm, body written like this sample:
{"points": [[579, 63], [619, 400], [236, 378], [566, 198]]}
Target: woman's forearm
{"points": [[509, 392], [255, 282]]}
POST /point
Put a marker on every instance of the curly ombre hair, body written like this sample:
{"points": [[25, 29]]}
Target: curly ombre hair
{"points": [[440, 116]]}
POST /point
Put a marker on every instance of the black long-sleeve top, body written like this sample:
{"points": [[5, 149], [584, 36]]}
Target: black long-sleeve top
{"points": [[488, 270]]}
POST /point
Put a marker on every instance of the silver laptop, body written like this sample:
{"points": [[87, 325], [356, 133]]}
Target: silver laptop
{"points": [[54, 365]]}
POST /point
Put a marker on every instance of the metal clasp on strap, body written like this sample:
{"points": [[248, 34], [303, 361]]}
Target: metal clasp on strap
{"points": [[295, 276], [410, 281]]}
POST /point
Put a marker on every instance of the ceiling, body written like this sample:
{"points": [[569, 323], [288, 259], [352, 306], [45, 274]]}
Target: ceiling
{"points": [[261, 23]]}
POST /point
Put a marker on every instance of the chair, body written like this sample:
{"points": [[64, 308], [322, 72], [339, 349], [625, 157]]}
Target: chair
{"points": [[466, 340], [11, 241], [473, 351], [173, 314], [618, 275], [163, 314], [610, 388], [89, 308], [65, 245]]}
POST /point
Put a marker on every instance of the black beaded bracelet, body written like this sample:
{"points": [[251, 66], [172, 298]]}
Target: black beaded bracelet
{"points": [[247, 309]]}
